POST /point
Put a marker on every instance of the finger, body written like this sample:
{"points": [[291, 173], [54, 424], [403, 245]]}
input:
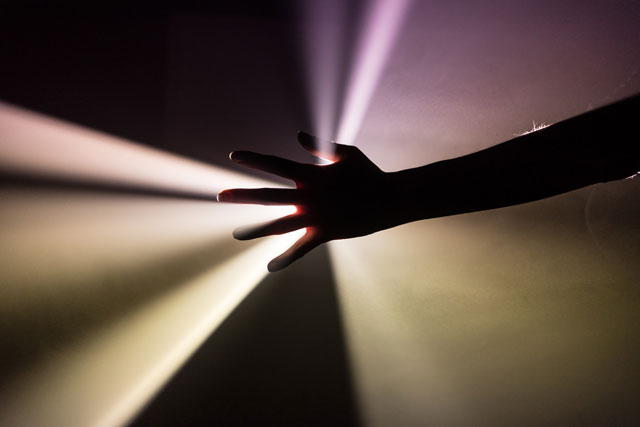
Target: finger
{"points": [[324, 149], [261, 196], [305, 244], [279, 226], [271, 164]]}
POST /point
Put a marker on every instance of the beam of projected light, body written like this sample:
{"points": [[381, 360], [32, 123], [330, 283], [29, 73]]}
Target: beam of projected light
{"points": [[40, 146], [66, 257], [106, 379], [366, 299], [382, 21], [324, 33]]}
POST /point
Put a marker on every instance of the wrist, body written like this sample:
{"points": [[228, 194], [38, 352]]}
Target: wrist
{"points": [[426, 192], [404, 197]]}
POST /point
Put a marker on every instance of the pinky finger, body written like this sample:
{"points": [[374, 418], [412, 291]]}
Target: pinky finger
{"points": [[300, 248]]}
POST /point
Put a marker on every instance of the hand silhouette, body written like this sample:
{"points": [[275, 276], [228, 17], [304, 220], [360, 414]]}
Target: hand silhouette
{"points": [[334, 201], [353, 197]]}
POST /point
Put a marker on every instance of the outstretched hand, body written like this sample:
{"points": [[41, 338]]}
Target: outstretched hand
{"points": [[334, 201], [353, 197]]}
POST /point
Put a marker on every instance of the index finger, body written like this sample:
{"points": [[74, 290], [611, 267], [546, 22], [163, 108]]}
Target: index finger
{"points": [[271, 164]]}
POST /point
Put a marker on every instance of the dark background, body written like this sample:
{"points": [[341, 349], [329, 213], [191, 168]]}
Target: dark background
{"points": [[121, 68]]}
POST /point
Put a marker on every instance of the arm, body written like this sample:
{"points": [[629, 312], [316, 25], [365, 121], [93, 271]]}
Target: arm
{"points": [[353, 197], [598, 146]]}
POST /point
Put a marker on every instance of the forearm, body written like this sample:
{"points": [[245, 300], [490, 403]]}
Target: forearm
{"points": [[597, 146]]}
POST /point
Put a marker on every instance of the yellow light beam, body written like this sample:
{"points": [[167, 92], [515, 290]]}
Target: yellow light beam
{"points": [[68, 258], [105, 379]]}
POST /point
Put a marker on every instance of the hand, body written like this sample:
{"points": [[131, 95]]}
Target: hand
{"points": [[336, 201], [353, 197]]}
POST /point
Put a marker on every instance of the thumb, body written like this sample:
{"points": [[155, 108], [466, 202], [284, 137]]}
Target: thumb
{"points": [[324, 149]]}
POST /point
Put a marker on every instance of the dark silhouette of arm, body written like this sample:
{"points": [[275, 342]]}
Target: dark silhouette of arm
{"points": [[597, 146], [353, 197]]}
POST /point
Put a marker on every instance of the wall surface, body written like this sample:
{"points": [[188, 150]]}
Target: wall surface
{"points": [[124, 298]]}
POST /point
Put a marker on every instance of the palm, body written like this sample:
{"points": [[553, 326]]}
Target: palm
{"points": [[333, 200]]}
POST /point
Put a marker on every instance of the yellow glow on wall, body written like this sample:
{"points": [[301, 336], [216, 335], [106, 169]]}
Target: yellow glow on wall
{"points": [[506, 317], [107, 377], [105, 295]]}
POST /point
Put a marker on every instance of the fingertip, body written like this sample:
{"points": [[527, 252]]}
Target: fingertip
{"points": [[278, 263], [273, 266], [241, 233], [224, 196], [239, 156]]}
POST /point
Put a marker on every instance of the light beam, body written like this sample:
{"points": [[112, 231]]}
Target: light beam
{"points": [[106, 294], [382, 22]]}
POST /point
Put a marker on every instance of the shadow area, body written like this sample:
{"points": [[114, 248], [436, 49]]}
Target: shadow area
{"points": [[278, 360]]}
